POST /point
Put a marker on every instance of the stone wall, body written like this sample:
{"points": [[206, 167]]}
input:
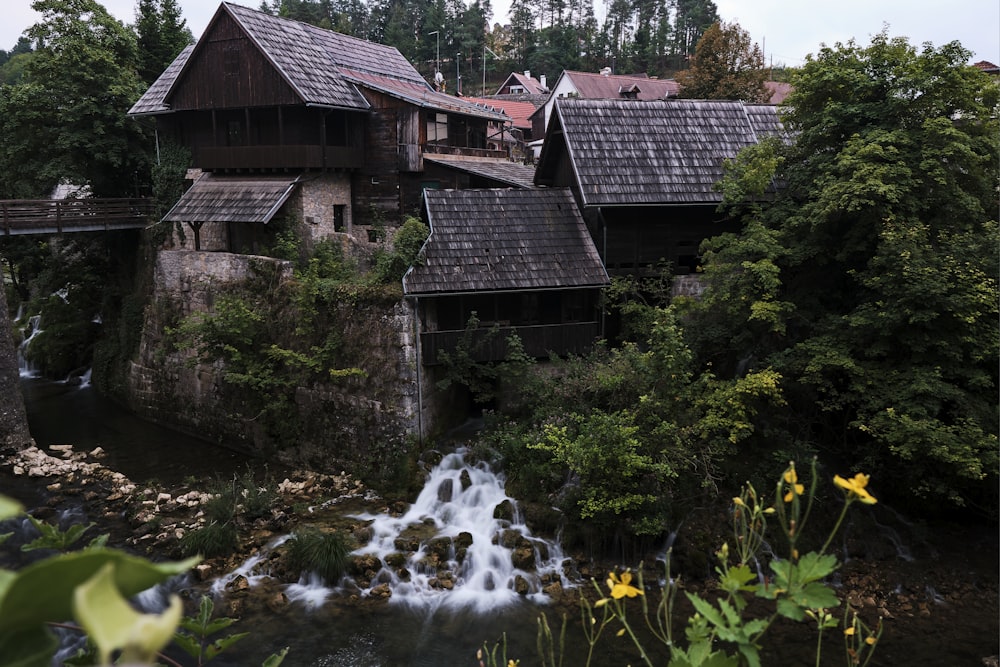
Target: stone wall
{"points": [[342, 421], [13, 419]]}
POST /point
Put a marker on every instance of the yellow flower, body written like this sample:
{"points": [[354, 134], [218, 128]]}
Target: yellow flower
{"points": [[738, 502], [870, 641], [621, 587], [855, 487], [796, 489], [849, 631]]}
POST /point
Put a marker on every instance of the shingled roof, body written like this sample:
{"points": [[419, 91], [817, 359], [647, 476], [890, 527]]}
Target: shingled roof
{"points": [[657, 152], [499, 240], [218, 198], [500, 170], [323, 67]]}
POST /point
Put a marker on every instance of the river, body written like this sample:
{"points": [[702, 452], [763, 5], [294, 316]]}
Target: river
{"points": [[935, 587]]}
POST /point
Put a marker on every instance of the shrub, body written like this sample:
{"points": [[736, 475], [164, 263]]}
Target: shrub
{"points": [[212, 540], [312, 550]]}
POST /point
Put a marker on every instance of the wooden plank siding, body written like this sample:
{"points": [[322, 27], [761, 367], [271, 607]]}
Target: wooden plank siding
{"points": [[230, 72]]}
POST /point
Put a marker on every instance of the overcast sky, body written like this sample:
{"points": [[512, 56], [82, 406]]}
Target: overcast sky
{"points": [[786, 29]]}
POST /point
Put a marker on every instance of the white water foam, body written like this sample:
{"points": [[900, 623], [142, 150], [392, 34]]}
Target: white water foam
{"points": [[459, 501]]}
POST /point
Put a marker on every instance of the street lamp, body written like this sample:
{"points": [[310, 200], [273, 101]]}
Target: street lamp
{"points": [[437, 60]]}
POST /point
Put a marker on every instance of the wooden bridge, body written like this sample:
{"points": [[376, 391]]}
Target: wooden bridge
{"points": [[59, 216]]}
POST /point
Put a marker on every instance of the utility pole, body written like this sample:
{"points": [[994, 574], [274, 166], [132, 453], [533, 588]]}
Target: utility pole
{"points": [[437, 61], [458, 72], [485, 49]]}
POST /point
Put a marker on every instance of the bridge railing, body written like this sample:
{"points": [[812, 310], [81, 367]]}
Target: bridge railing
{"points": [[55, 216]]}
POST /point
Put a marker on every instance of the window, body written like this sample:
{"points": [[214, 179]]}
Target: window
{"points": [[338, 217], [437, 128]]}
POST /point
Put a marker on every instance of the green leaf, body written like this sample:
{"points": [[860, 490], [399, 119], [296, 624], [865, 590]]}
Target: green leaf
{"points": [[813, 567], [43, 591], [9, 508], [275, 659], [53, 538], [113, 625], [28, 647], [220, 645], [735, 579], [188, 644]]}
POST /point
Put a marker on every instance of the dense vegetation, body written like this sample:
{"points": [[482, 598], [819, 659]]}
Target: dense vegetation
{"points": [[543, 36], [854, 318]]}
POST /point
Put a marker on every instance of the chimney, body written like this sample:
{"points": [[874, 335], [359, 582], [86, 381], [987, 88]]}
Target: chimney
{"points": [[605, 71], [527, 74], [541, 80]]}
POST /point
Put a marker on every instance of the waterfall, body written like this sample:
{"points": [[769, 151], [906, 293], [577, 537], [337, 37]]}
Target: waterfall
{"points": [[28, 332], [465, 556]]}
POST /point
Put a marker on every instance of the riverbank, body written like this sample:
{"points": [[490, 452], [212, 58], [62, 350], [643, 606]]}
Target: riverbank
{"points": [[933, 587]]}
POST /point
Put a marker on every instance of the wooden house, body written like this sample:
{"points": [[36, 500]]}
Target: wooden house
{"points": [[521, 260], [522, 84], [601, 85], [644, 173], [343, 122]]}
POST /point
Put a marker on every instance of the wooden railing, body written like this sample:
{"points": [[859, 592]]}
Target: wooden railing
{"points": [[56, 216], [539, 341]]}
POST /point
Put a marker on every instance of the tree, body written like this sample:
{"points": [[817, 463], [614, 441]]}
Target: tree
{"points": [[162, 35], [726, 66], [66, 120], [871, 282]]}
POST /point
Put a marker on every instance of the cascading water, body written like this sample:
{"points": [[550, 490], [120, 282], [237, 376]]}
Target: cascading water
{"points": [[30, 330], [465, 555]]}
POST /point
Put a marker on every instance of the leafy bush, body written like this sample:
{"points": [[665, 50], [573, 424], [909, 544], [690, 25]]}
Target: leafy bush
{"points": [[407, 242]]}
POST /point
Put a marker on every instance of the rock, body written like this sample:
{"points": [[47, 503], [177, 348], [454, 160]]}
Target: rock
{"points": [[523, 558], [554, 589], [465, 479], [445, 490], [97, 453], [521, 585], [204, 571], [504, 511], [239, 584], [277, 602], [381, 592]]}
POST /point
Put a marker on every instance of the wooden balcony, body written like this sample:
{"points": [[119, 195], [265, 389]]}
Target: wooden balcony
{"points": [[439, 149], [279, 157], [491, 343]]}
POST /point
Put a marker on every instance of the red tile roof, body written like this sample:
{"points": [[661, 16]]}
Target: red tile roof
{"points": [[518, 111]]}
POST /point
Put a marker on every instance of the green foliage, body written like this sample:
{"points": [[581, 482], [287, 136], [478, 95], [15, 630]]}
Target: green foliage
{"points": [[214, 539], [464, 365], [726, 66], [870, 282], [65, 121], [616, 478], [325, 553], [725, 629], [406, 244], [195, 633], [636, 429], [55, 589], [235, 504], [53, 538], [162, 34]]}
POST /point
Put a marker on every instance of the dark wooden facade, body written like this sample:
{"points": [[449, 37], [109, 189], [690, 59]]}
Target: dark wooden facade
{"points": [[259, 93], [644, 173], [520, 261]]}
